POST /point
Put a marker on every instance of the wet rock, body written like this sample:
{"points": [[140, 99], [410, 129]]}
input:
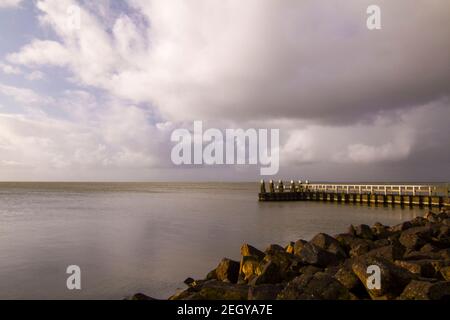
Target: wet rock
{"points": [[423, 290], [316, 256], [330, 244], [393, 278], [228, 270], [319, 286], [265, 292], [247, 250]]}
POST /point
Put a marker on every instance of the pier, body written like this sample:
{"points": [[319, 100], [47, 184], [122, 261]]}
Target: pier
{"points": [[369, 194]]}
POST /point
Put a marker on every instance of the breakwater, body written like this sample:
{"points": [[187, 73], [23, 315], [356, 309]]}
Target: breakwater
{"points": [[412, 259]]}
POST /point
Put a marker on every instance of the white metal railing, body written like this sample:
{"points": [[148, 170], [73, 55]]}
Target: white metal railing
{"points": [[404, 189]]}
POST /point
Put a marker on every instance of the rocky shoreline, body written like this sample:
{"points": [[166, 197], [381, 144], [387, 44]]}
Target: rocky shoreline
{"points": [[413, 259]]}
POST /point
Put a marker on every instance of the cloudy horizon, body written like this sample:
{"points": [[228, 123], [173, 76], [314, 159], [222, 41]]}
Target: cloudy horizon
{"points": [[100, 102]]}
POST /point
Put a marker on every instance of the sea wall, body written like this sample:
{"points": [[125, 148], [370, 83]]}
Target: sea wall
{"points": [[412, 259]]}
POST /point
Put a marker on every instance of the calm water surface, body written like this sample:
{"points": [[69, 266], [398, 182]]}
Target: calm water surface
{"points": [[147, 237]]}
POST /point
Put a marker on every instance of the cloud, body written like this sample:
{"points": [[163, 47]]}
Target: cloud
{"points": [[10, 3], [23, 95], [35, 75], [342, 95], [9, 69]]}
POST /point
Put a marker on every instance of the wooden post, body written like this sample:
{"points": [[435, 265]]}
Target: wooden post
{"points": [[263, 187], [271, 186], [280, 186]]}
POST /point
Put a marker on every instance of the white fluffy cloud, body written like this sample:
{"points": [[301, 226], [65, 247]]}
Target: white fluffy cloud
{"points": [[340, 93], [10, 3]]}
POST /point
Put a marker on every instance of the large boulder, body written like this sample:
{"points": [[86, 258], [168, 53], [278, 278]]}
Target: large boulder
{"points": [[250, 267], [249, 251], [214, 290], [416, 237], [264, 292], [314, 255], [445, 273], [363, 231], [270, 274], [401, 227], [424, 290], [390, 252], [320, 286], [140, 297], [330, 244], [228, 270], [298, 246], [393, 278], [423, 268]]}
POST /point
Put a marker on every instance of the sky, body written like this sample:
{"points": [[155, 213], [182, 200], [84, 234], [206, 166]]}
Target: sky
{"points": [[99, 100]]}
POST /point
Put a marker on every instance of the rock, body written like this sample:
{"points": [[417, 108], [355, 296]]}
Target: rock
{"points": [[393, 278], [427, 248], [215, 290], [423, 268], [282, 259], [390, 252], [265, 292], [319, 286], [309, 269], [348, 279], [274, 248], [298, 246], [329, 244], [380, 231], [290, 248], [212, 275], [401, 227], [363, 231], [431, 217], [141, 297], [360, 247], [316, 256], [250, 267], [445, 273], [248, 250], [270, 274], [415, 237], [418, 222], [422, 290], [228, 270], [189, 282]]}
